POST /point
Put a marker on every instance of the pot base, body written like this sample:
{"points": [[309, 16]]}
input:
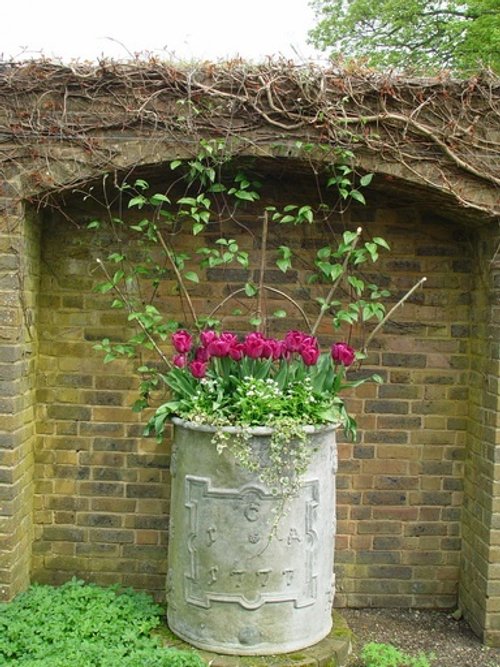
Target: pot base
{"points": [[249, 636], [333, 650]]}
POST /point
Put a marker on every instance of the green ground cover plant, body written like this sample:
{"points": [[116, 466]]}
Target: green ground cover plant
{"points": [[375, 654], [84, 625]]}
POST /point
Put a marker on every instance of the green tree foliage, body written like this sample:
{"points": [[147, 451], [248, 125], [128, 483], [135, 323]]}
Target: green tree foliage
{"points": [[421, 35]]}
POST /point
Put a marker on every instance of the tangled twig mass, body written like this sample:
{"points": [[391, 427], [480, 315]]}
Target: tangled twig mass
{"points": [[61, 125]]}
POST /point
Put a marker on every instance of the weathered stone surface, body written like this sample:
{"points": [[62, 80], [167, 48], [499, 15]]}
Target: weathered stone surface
{"points": [[332, 651]]}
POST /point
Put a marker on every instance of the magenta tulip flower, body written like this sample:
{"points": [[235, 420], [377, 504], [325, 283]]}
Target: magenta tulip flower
{"points": [[182, 341], [342, 353], [198, 369]]}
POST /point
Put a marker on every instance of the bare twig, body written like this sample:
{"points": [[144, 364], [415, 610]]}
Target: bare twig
{"points": [[262, 271], [54, 116], [391, 312]]}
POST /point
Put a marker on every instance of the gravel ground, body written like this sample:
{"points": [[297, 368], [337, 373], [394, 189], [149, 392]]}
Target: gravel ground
{"points": [[452, 642]]}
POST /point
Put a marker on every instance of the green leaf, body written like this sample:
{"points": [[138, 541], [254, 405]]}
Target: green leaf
{"points": [[198, 227], [372, 249], [283, 264], [116, 257], [104, 287], [336, 271], [95, 224], [192, 276], [187, 201], [217, 187], [357, 283], [324, 267], [250, 289], [245, 195], [138, 201], [158, 198], [358, 196], [381, 242], [242, 258], [279, 314], [175, 163], [306, 212], [366, 180], [349, 237], [139, 405]]}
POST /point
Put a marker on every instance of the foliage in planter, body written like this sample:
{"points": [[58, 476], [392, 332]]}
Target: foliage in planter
{"points": [[84, 625], [212, 372]]}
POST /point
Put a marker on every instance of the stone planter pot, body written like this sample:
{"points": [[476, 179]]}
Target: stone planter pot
{"points": [[232, 589]]}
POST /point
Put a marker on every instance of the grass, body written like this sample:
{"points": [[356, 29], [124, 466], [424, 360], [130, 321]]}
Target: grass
{"points": [[84, 625]]}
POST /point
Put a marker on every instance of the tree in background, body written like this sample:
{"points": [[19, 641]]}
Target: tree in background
{"points": [[421, 35]]}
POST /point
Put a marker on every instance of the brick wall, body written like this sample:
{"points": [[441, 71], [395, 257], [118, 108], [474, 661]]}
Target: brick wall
{"points": [[480, 581], [102, 490], [19, 273], [400, 487]]}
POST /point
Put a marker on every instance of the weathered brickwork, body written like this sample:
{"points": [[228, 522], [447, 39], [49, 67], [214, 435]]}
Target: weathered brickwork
{"points": [[400, 486], [480, 583], [19, 273], [102, 490], [86, 494]]}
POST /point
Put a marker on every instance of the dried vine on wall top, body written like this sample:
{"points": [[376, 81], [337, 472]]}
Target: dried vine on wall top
{"points": [[63, 124]]}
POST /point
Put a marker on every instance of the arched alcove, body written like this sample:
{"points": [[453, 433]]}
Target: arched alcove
{"points": [[83, 493]]}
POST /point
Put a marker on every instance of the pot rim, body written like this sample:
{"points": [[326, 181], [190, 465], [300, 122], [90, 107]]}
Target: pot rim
{"points": [[253, 430]]}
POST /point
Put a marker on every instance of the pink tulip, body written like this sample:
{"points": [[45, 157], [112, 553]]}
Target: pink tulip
{"points": [[253, 345], [218, 348], [182, 341], [201, 354], [294, 340], [309, 355], [236, 351], [207, 336], [198, 369], [180, 360], [343, 353]]}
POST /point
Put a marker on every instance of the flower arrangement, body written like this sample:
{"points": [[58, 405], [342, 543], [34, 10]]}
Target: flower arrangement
{"points": [[255, 380], [235, 381], [286, 384]]}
